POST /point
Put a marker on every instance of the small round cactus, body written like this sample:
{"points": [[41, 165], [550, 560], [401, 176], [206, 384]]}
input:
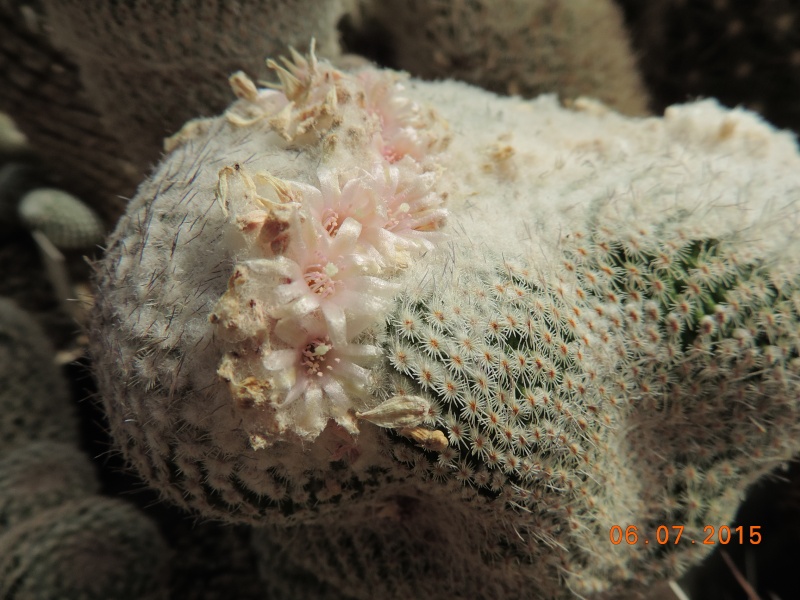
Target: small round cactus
{"points": [[39, 476], [90, 549], [16, 179], [359, 308], [65, 220], [12, 142], [34, 397]]}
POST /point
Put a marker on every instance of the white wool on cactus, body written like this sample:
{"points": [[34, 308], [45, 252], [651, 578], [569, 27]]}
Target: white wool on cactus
{"points": [[357, 289]]}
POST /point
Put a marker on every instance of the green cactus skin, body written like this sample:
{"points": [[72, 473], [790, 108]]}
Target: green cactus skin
{"points": [[95, 548], [34, 398], [65, 220], [39, 476]]}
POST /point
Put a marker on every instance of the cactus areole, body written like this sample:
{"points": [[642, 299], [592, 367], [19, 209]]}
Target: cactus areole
{"points": [[356, 289]]}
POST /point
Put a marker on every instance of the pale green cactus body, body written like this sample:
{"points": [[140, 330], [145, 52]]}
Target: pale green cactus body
{"points": [[12, 142], [289, 294], [65, 220]]}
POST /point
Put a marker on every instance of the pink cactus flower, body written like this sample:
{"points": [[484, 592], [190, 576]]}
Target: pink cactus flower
{"points": [[395, 206], [317, 368], [400, 119], [328, 276], [414, 210]]}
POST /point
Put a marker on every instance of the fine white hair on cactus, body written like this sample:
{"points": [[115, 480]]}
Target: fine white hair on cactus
{"points": [[554, 339]]}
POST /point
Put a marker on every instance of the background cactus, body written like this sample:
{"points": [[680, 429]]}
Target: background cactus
{"points": [[87, 549], [743, 54], [525, 47], [65, 220], [80, 77], [12, 143], [39, 476], [33, 393], [44, 94], [222, 350]]}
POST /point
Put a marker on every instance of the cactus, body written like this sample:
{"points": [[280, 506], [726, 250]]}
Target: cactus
{"points": [[93, 548], [16, 179], [33, 393], [743, 54], [690, 344], [526, 47], [371, 312], [65, 220], [12, 143], [254, 227], [90, 117], [39, 476]]}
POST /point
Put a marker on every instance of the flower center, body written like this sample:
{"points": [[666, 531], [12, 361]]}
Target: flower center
{"points": [[392, 154], [314, 357], [397, 216], [319, 278], [330, 221]]}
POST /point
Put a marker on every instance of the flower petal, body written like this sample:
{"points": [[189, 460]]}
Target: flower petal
{"points": [[337, 323], [335, 391], [347, 236]]}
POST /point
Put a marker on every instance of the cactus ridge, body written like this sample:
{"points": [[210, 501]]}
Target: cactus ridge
{"points": [[39, 476]]}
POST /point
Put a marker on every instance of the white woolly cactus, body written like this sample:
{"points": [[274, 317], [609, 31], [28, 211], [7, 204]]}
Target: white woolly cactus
{"points": [[315, 261], [329, 309]]}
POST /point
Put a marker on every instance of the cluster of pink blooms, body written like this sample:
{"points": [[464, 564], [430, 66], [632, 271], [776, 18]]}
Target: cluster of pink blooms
{"points": [[348, 237]]}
